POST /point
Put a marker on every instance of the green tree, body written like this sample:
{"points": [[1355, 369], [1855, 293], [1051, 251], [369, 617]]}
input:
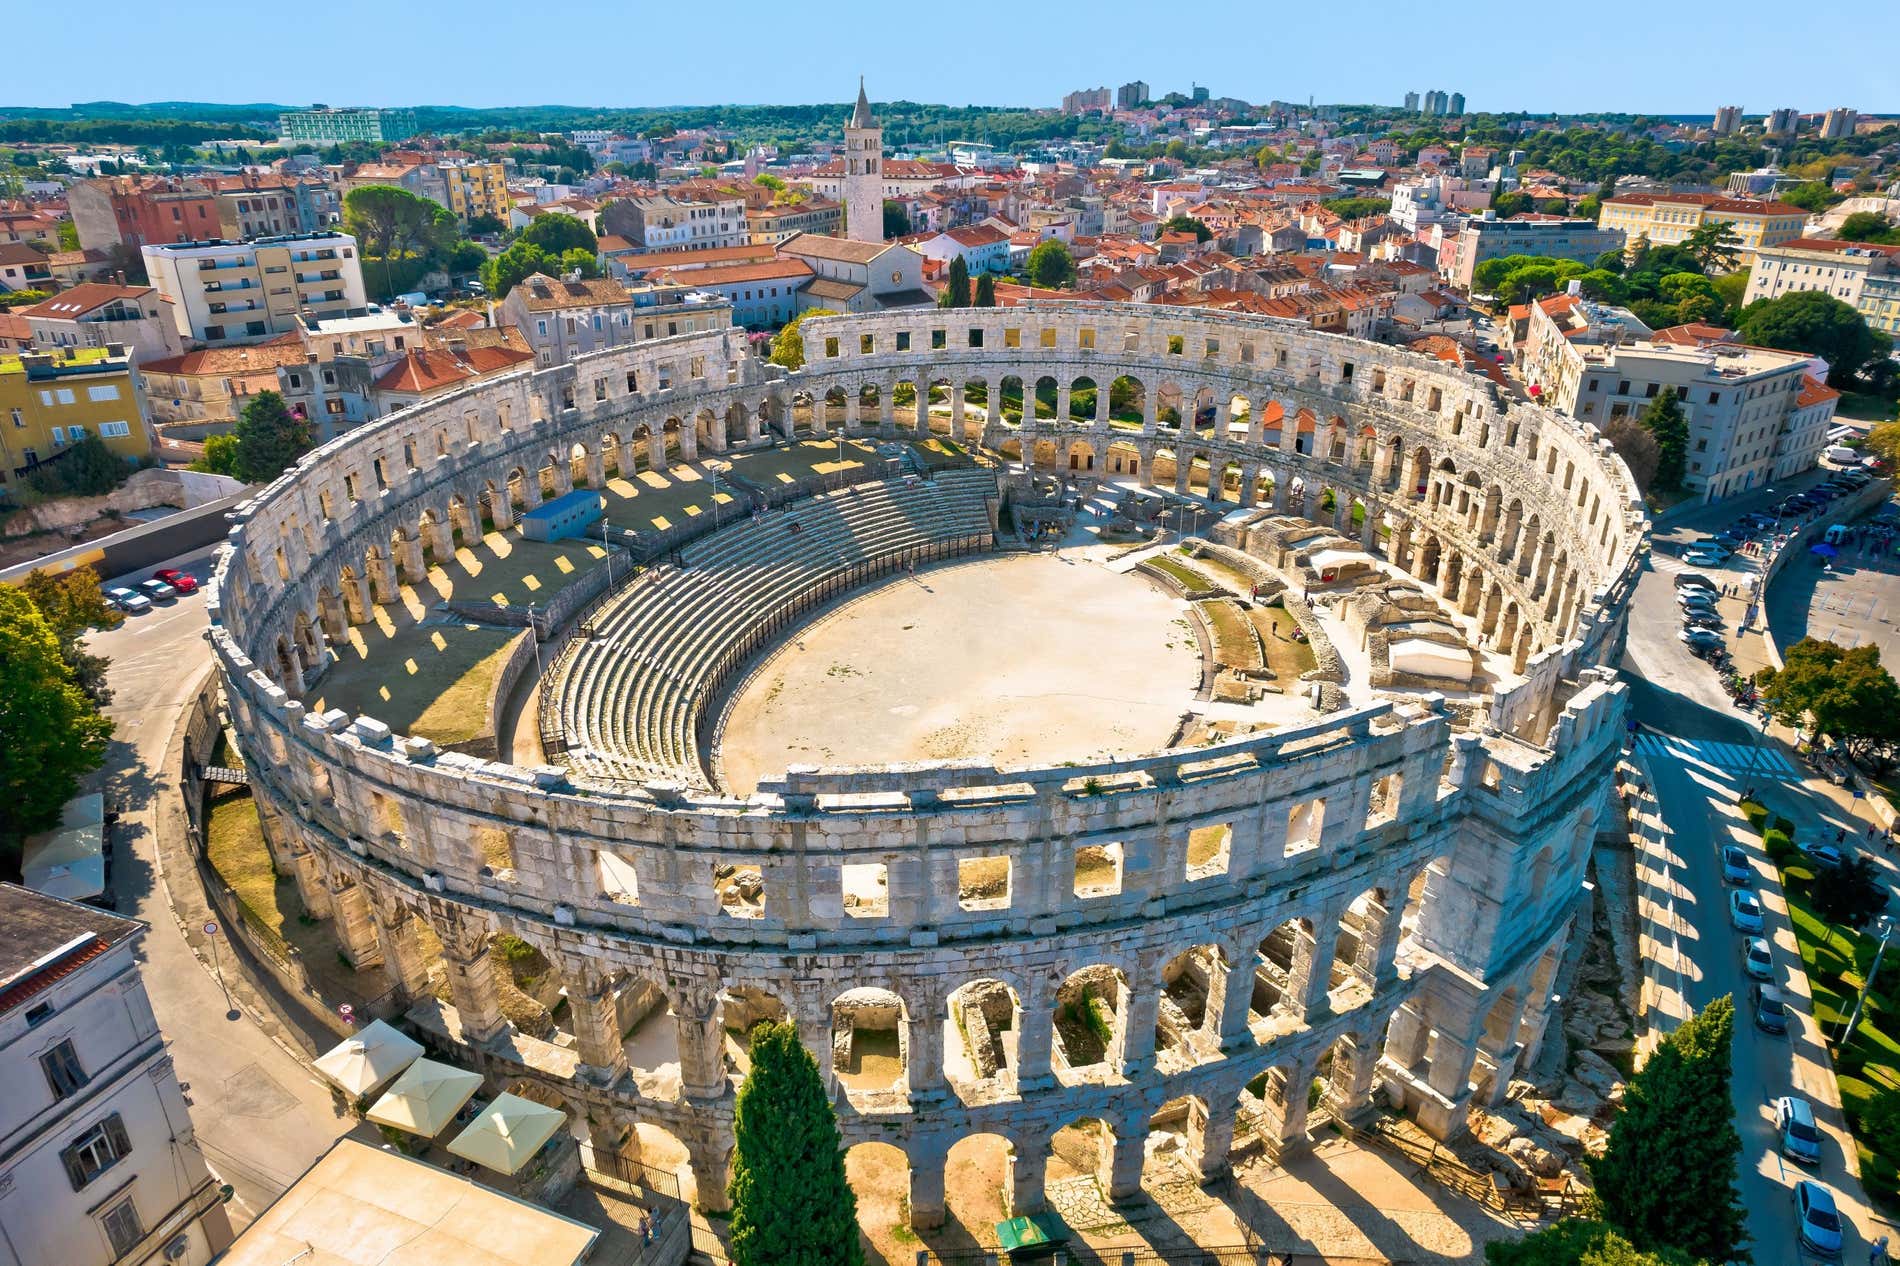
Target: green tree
{"points": [[788, 345], [1051, 266], [1714, 246], [557, 233], [1848, 894], [1508, 204], [1589, 207], [1729, 288], [1867, 226], [1604, 286], [89, 468], [1638, 449], [55, 734], [1818, 324], [220, 456], [270, 437], [1667, 1176], [68, 235], [1577, 1242], [1664, 420], [791, 1205], [985, 291], [1841, 692], [1187, 224], [896, 220], [387, 220], [484, 224], [1884, 441], [956, 294], [1358, 208], [73, 604], [1814, 196]]}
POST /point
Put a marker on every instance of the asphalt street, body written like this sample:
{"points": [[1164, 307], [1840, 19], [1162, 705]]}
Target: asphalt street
{"points": [[1697, 754], [262, 1118]]}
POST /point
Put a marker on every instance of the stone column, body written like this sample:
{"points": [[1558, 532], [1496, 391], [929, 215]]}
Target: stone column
{"points": [[1104, 392], [992, 404], [1027, 1171], [702, 1047], [399, 932], [308, 872], [1382, 953], [707, 1159], [1141, 1001], [1034, 1043], [924, 1053], [1150, 409], [1292, 1108], [853, 403], [1369, 530], [926, 1190], [1124, 1165], [1183, 467], [596, 467], [596, 1021], [1236, 1000], [1249, 481], [656, 449], [1064, 400], [355, 932], [816, 1035], [689, 438], [472, 987], [1217, 1140], [1353, 1091], [1313, 965]]}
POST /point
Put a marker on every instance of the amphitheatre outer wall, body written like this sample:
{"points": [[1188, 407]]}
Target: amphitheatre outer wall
{"points": [[1394, 896]]}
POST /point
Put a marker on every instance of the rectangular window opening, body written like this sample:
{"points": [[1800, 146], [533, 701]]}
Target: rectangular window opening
{"points": [[1098, 870], [983, 883], [1304, 821], [740, 890], [617, 880], [1385, 800], [1210, 851], [867, 890]]}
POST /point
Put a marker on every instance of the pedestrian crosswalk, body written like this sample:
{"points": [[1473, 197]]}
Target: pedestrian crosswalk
{"points": [[1744, 759]]}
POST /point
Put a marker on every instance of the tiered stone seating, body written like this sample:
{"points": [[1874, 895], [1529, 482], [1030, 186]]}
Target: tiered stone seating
{"points": [[630, 701]]}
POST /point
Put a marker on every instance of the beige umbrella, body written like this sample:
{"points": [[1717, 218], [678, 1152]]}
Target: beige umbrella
{"points": [[508, 1133], [425, 1098], [365, 1063]]}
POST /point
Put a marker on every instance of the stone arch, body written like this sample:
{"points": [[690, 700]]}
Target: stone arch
{"points": [[870, 1043], [1086, 1147], [1010, 398], [737, 1011], [1173, 1149], [1084, 401], [987, 1179], [835, 409], [1081, 456], [464, 531], [882, 1177], [1091, 1013], [610, 455], [982, 1028], [1047, 391], [1127, 399], [737, 424], [1187, 1017], [1043, 455], [577, 465]]}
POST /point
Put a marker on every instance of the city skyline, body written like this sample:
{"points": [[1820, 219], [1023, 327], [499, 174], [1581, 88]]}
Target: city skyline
{"points": [[762, 61]]}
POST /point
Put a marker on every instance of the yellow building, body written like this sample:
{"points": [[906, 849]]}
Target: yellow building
{"points": [[1667, 218], [476, 188], [50, 400]]}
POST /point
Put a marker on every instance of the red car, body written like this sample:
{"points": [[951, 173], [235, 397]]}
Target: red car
{"points": [[178, 580]]}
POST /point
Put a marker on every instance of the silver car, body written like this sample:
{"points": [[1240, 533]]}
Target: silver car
{"points": [[129, 601]]}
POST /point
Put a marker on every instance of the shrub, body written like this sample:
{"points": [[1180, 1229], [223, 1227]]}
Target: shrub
{"points": [[1780, 847], [1784, 825], [1755, 813]]}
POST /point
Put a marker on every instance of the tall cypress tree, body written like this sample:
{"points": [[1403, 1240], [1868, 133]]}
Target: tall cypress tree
{"points": [[959, 288], [986, 291], [1663, 418], [1667, 1178], [791, 1205]]}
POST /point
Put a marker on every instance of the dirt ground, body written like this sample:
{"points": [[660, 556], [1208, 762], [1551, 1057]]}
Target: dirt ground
{"points": [[1000, 659]]}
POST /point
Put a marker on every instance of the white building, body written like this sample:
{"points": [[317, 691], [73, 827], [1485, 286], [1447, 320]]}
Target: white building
{"points": [[660, 223], [1862, 275], [98, 1161], [1755, 414], [231, 292], [858, 276], [983, 248], [562, 318]]}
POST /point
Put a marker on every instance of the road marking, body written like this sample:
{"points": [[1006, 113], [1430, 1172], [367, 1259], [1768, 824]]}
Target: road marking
{"points": [[1734, 758]]}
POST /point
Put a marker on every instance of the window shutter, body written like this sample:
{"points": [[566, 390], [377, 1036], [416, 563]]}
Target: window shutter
{"points": [[115, 1130], [74, 1174]]}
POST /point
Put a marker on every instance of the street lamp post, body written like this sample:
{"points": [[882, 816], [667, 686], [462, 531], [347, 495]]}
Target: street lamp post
{"points": [[1885, 926]]}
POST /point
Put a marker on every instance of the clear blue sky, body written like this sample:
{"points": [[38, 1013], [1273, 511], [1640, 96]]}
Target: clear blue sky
{"points": [[1666, 58]]}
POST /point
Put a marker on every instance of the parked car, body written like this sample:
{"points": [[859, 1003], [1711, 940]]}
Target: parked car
{"points": [[1825, 854], [157, 590], [1700, 619], [182, 581], [1735, 867], [1769, 1008], [128, 601], [1694, 580], [1819, 1220], [1696, 597], [1697, 556], [1758, 960], [1701, 640], [1744, 911], [1794, 1122]]}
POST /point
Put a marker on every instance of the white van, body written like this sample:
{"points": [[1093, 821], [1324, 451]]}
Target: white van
{"points": [[1842, 455]]}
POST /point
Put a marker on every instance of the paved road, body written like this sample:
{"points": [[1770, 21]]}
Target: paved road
{"points": [[1697, 755], [261, 1117]]}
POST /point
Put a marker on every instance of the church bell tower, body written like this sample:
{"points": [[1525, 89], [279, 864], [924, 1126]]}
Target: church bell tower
{"points": [[863, 174]]}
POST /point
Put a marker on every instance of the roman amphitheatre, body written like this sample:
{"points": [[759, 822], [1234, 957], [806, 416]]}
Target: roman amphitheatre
{"points": [[1101, 729]]}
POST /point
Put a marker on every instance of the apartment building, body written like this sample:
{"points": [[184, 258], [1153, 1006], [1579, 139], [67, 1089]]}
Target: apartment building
{"points": [[471, 187], [568, 317], [1755, 414], [49, 400], [1728, 120], [1860, 274], [98, 1160], [223, 292], [1550, 237], [1667, 218], [658, 222], [138, 211], [1839, 122], [253, 205], [324, 125], [770, 225], [95, 314], [762, 295]]}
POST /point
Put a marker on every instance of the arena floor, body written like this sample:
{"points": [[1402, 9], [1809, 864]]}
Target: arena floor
{"points": [[1018, 659]]}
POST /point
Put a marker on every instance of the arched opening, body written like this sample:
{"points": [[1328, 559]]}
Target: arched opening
{"points": [[1045, 405], [1168, 401], [741, 1009], [880, 1178], [1083, 400], [1081, 456], [834, 409], [1090, 1018], [979, 1180], [577, 466], [1084, 1148], [869, 1029], [1127, 402], [1186, 1019], [1282, 986], [546, 478], [1124, 459], [980, 1034], [1172, 1150], [940, 408], [1012, 393]]}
